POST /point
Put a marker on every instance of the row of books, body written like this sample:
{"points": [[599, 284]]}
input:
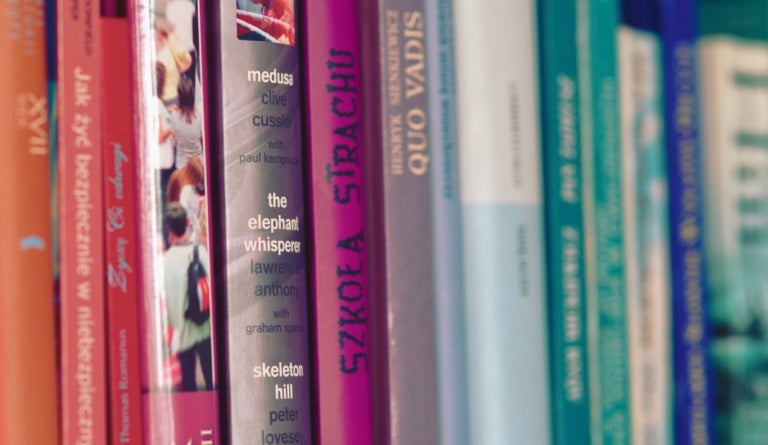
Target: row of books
{"points": [[406, 222]]}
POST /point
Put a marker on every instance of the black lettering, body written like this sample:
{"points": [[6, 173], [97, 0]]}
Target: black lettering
{"points": [[347, 83], [344, 154], [360, 356], [347, 189], [352, 243], [338, 112], [357, 316], [355, 287], [347, 270], [340, 54], [348, 131]]}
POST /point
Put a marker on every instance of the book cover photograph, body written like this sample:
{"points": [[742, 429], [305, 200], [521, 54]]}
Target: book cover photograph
{"points": [[177, 304], [266, 21]]}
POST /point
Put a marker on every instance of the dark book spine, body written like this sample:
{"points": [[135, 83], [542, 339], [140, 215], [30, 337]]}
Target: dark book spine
{"points": [[692, 378], [259, 220], [400, 166]]}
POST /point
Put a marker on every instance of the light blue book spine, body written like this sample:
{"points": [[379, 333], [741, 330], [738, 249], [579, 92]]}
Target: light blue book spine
{"points": [[603, 220], [453, 417], [500, 168], [561, 96]]}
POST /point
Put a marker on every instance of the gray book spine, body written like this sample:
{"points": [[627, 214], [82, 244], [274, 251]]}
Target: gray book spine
{"points": [[260, 224], [403, 287]]}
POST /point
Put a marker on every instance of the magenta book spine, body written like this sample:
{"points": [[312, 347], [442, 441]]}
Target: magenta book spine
{"points": [[177, 348], [339, 267]]}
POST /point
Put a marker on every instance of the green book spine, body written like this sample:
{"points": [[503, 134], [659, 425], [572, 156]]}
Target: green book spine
{"points": [[597, 27], [564, 221]]}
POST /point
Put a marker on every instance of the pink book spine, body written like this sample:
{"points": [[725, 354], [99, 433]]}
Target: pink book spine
{"points": [[339, 272], [120, 237], [83, 356], [179, 390]]}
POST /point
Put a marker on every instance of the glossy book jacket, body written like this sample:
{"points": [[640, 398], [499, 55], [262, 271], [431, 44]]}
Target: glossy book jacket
{"points": [[259, 220], [178, 355]]}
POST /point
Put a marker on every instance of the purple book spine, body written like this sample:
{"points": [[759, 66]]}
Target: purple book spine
{"points": [[400, 241], [339, 272], [259, 224]]}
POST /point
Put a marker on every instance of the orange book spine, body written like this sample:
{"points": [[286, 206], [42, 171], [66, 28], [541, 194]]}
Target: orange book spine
{"points": [[81, 224], [27, 338]]}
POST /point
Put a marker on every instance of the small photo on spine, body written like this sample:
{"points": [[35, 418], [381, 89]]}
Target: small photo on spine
{"points": [[266, 21]]}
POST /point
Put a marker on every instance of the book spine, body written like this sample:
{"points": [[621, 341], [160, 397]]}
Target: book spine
{"points": [[597, 21], [400, 170], [28, 372], [646, 232], [260, 230], [52, 81], [692, 377], [502, 211], [83, 356], [564, 222], [453, 414], [120, 237], [734, 96], [368, 14], [738, 18], [178, 356], [629, 110], [337, 152]]}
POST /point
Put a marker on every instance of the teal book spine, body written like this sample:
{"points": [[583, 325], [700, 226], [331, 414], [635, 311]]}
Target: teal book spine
{"points": [[560, 111], [597, 25]]}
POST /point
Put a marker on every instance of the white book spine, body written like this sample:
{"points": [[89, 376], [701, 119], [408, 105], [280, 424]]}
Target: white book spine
{"points": [[646, 236], [501, 195]]}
